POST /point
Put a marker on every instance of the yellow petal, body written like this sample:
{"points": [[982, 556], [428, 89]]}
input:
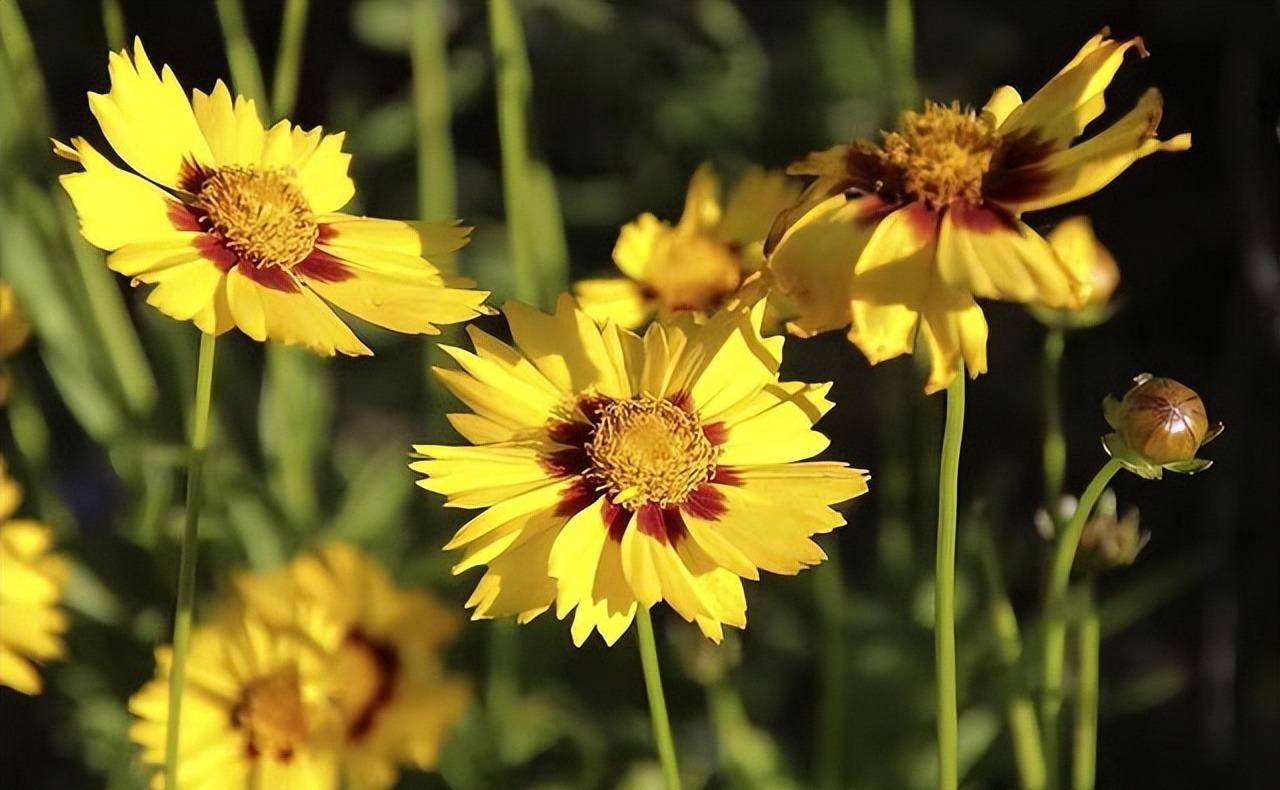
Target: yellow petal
{"points": [[186, 290], [1059, 112], [575, 556], [754, 202], [517, 582], [701, 202], [422, 239], [997, 256], [619, 300], [566, 347], [1085, 168], [777, 428], [290, 317], [322, 173], [18, 673], [1079, 249], [116, 207], [954, 330], [234, 130], [147, 119], [637, 247], [1002, 102]]}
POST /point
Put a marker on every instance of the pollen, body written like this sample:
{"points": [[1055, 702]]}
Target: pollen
{"points": [[941, 154], [650, 451], [270, 712], [260, 214]]}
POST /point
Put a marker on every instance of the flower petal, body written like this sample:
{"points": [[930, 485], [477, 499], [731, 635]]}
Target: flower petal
{"points": [[615, 299], [637, 245], [291, 314], [701, 202], [147, 119], [755, 200], [115, 207]]}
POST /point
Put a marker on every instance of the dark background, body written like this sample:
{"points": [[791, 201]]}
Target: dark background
{"points": [[628, 99]]}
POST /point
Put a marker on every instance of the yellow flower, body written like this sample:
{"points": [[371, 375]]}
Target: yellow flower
{"points": [[1092, 265], [255, 712], [14, 330], [31, 582], [614, 469], [237, 225], [385, 669], [701, 262], [903, 235]]}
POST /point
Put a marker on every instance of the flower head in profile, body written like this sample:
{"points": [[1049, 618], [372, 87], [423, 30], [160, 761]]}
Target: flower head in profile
{"points": [[614, 470], [385, 671], [14, 330], [255, 710], [238, 225], [698, 264], [1110, 540], [900, 237], [1159, 424], [1092, 265], [32, 579]]}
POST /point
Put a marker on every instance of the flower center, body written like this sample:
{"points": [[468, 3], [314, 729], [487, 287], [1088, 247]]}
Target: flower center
{"points": [[941, 153], [649, 450], [695, 271], [271, 713], [259, 214], [368, 670]]}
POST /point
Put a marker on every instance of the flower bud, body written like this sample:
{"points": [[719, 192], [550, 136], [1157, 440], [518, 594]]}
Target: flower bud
{"points": [[1108, 542], [1163, 420]]}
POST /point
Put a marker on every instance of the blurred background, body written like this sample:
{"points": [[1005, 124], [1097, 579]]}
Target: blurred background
{"points": [[627, 99]]}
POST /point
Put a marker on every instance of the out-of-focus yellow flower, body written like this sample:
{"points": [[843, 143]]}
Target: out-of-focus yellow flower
{"points": [[32, 578], [14, 330], [1092, 265], [256, 710], [700, 263], [614, 470], [385, 672], [237, 225], [902, 236]]}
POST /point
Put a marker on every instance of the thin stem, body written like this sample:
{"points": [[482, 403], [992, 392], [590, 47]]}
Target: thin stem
{"points": [[241, 56], [1055, 627], [944, 624], [514, 87], [657, 703], [829, 589], [900, 34], [113, 24], [284, 85], [187, 561], [1088, 645], [432, 108], [1024, 728], [1055, 445]]}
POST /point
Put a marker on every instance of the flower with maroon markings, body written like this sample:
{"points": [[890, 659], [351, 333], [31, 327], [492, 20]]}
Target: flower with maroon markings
{"points": [[615, 470], [1159, 424], [901, 236], [385, 647], [255, 710], [238, 225], [697, 265]]}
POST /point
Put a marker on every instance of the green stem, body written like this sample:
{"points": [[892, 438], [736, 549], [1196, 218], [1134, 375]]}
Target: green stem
{"points": [[246, 74], [944, 591], [1088, 645], [1055, 627], [284, 85], [1055, 445], [113, 24], [1024, 729], [829, 588], [900, 37], [187, 561], [432, 107], [514, 85], [657, 703]]}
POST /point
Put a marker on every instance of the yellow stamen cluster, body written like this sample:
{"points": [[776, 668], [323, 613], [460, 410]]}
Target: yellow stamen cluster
{"points": [[260, 214], [271, 713], [696, 272], [649, 450], [942, 153]]}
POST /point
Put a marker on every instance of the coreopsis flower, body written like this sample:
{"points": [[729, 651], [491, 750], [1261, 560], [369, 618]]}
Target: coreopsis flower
{"points": [[1111, 541], [902, 236], [1159, 424], [14, 330], [698, 264], [238, 225], [615, 470], [255, 709], [32, 579], [385, 669], [1092, 265]]}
